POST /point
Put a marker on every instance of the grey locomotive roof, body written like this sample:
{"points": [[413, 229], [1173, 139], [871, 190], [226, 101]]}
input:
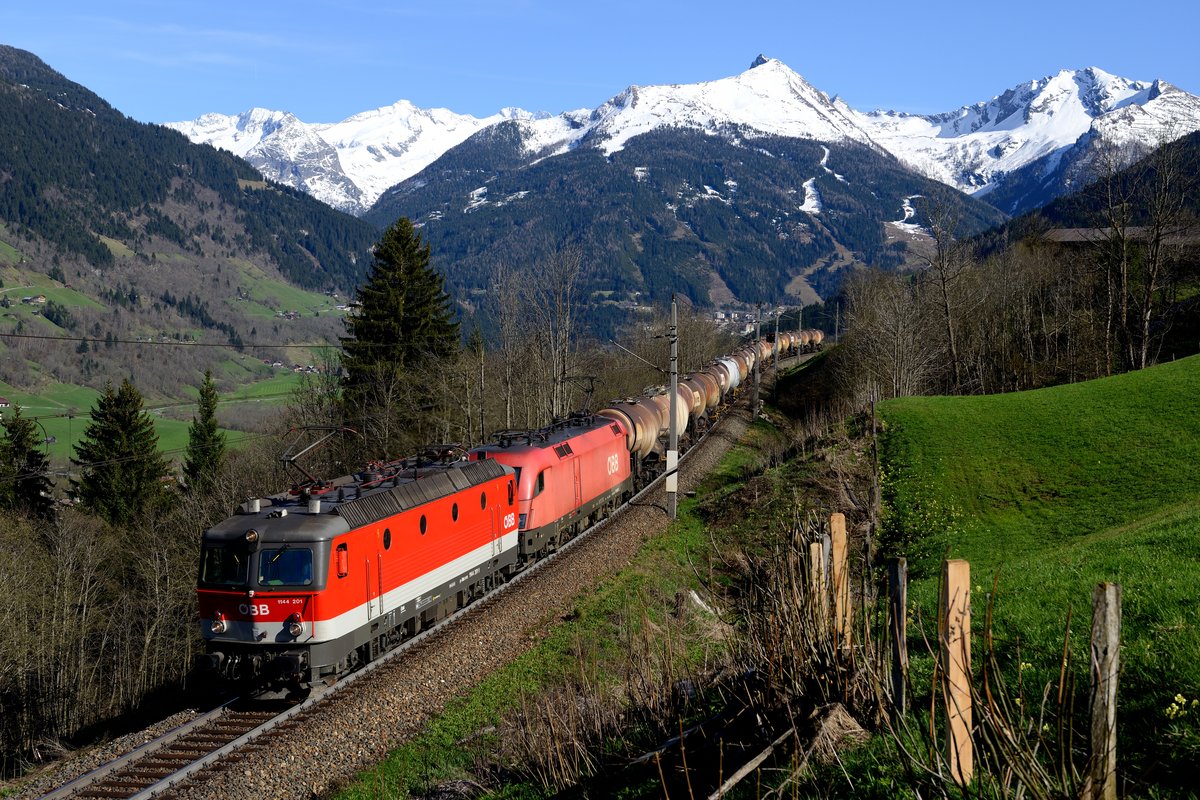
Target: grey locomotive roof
{"points": [[546, 437], [285, 518]]}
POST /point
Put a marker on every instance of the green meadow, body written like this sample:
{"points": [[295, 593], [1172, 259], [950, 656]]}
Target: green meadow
{"points": [[1047, 493], [63, 412]]}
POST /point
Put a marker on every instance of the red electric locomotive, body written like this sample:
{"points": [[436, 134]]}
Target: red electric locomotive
{"points": [[568, 476], [300, 586]]}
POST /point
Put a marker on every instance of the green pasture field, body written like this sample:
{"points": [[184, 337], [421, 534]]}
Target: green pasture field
{"points": [[118, 249], [281, 384], [20, 283], [268, 295], [63, 411], [1048, 493], [8, 253]]}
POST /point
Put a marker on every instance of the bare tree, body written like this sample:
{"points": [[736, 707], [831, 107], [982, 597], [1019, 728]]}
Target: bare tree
{"points": [[504, 285], [552, 296], [947, 267], [888, 346], [1167, 179], [1114, 196]]}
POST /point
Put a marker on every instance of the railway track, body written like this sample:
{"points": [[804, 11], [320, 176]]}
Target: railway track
{"points": [[240, 727], [144, 771]]}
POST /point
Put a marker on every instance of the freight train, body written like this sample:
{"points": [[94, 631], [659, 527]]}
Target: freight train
{"points": [[308, 584]]}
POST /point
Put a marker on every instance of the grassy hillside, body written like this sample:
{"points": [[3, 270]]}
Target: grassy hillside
{"points": [[1053, 491], [63, 411]]}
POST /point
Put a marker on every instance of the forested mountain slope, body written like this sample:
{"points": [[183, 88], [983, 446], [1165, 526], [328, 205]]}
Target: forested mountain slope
{"points": [[133, 231], [716, 216]]}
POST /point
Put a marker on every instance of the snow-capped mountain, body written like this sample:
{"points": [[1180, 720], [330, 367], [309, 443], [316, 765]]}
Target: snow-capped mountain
{"points": [[1043, 122], [769, 98], [349, 164], [345, 164], [1017, 150]]}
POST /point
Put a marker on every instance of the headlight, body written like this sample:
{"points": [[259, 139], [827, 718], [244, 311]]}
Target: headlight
{"points": [[294, 626], [218, 626]]}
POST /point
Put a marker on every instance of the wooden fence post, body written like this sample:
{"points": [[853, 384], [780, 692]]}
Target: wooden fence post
{"points": [[955, 625], [816, 583], [839, 574], [898, 619], [1106, 645]]}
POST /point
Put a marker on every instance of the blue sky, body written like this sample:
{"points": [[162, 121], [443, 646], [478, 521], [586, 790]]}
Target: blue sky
{"points": [[166, 60]]}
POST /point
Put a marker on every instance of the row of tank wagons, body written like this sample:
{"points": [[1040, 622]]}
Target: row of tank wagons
{"points": [[648, 418]]}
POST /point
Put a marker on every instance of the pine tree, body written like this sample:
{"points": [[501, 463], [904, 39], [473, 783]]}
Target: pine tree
{"points": [[205, 453], [24, 482], [121, 470]]}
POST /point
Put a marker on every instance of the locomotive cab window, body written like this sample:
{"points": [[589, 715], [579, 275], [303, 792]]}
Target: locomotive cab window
{"points": [[540, 484], [510, 492], [224, 565], [285, 566]]}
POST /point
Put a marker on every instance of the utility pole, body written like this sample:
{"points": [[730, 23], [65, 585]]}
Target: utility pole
{"points": [[482, 393], [673, 435], [775, 348], [757, 333]]}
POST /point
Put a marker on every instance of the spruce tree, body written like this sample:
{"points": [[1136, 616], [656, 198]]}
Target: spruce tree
{"points": [[121, 470], [205, 453], [24, 481], [403, 325], [404, 315]]}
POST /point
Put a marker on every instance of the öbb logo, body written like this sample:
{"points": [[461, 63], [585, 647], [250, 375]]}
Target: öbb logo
{"points": [[254, 609]]}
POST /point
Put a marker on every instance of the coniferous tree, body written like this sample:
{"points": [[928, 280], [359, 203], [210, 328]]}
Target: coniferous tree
{"points": [[24, 481], [205, 453], [404, 314], [404, 323], [121, 470]]}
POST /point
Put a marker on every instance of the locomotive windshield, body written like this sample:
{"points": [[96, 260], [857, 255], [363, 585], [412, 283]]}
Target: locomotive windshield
{"points": [[224, 565], [286, 566]]}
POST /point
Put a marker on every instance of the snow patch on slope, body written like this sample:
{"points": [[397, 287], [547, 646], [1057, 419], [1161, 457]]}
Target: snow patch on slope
{"points": [[812, 198], [908, 212], [825, 165]]}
